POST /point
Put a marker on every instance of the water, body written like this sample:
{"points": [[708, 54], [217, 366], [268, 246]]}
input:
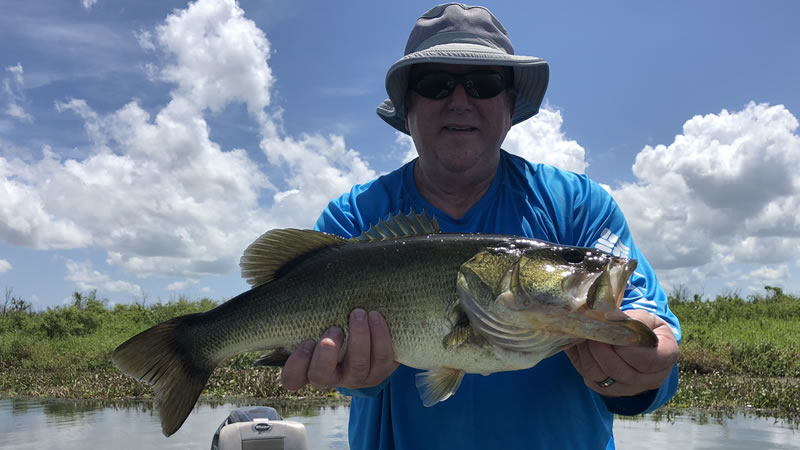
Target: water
{"points": [[705, 430], [32, 424]]}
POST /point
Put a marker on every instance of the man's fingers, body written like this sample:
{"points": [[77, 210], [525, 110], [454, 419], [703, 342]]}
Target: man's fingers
{"points": [[633, 369], [649, 360], [590, 368], [610, 363], [294, 372], [354, 369], [649, 319], [368, 361], [322, 371], [382, 357], [574, 357], [601, 362]]}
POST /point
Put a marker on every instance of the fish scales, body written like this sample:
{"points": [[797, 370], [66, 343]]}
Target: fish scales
{"points": [[411, 282], [454, 304]]}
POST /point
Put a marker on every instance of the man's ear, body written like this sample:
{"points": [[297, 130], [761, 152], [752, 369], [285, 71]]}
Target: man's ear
{"points": [[406, 105], [512, 99]]}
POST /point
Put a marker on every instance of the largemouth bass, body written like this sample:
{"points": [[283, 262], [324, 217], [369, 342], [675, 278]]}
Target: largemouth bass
{"points": [[454, 303]]}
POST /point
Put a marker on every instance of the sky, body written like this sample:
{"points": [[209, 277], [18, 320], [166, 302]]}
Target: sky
{"points": [[144, 145]]}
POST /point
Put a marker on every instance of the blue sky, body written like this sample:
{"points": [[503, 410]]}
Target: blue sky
{"points": [[143, 145]]}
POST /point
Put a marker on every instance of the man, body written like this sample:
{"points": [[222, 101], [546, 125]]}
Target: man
{"points": [[457, 91]]}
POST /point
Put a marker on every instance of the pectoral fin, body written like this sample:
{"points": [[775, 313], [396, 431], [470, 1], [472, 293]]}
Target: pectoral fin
{"points": [[458, 336], [276, 358], [438, 384], [460, 333]]}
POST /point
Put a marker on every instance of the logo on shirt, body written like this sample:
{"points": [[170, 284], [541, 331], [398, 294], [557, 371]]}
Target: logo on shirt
{"points": [[609, 243]]}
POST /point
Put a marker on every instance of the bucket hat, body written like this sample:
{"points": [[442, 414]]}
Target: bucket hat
{"points": [[455, 33]]}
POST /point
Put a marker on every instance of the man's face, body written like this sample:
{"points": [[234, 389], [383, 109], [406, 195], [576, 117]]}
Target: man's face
{"points": [[458, 132]]}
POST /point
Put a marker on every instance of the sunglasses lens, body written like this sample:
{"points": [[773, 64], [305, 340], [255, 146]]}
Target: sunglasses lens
{"points": [[484, 85], [436, 85], [439, 85]]}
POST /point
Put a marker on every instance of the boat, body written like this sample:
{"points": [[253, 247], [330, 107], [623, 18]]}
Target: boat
{"points": [[259, 428]]}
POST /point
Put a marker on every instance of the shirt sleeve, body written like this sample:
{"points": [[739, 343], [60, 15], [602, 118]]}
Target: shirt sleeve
{"points": [[603, 226], [337, 220]]}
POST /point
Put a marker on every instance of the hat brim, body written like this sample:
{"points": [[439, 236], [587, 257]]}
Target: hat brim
{"points": [[531, 76]]}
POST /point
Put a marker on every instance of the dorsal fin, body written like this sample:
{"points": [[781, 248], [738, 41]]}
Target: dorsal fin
{"points": [[400, 226], [274, 249]]}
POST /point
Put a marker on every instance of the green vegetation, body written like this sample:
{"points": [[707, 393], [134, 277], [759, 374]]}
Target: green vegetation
{"points": [[63, 352], [740, 353], [736, 352]]}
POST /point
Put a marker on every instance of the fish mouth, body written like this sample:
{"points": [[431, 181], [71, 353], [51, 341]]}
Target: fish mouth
{"points": [[583, 289], [607, 290]]}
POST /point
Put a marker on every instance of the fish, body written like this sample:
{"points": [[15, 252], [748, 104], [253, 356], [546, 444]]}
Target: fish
{"points": [[454, 304]]}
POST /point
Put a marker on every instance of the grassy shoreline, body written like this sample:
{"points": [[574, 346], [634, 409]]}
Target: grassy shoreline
{"points": [[736, 354], [771, 397]]}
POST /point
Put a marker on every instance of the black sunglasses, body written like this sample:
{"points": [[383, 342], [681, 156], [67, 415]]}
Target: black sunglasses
{"points": [[478, 84]]}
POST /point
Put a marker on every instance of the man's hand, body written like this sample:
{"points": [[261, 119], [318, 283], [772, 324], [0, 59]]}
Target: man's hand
{"points": [[635, 369], [368, 360]]}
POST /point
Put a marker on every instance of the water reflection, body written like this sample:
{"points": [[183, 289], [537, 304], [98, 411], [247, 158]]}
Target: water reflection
{"points": [[34, 424], [699, 429]]}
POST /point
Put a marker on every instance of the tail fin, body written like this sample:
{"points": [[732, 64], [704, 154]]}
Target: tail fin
{"points": [[159, 357]]}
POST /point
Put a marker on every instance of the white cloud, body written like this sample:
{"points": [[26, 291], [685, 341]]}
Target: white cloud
{"points": [[145, 39], [153, 190], [725, 192], [16, 74], [69, 50], [219, 56], [5, 266], [541, 140], [404, 146], [87, 4], [319, 169], [26, 220], [760, 250], [86, 278], [769, 274], [180, 285], [13, 93]]}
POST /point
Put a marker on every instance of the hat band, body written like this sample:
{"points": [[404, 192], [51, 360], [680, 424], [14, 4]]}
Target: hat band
{"points": [[455, 37]]}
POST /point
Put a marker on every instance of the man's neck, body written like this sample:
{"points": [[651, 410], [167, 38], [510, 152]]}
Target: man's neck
{"points": [[456, 195]]}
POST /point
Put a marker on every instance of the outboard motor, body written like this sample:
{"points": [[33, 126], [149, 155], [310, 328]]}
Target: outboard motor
{"points": [[259, 428]]}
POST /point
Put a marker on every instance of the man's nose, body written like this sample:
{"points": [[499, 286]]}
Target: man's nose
{"points": [[459, 100]]}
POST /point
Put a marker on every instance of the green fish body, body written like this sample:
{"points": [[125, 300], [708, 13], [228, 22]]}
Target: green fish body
{"points": [[454, 304]]}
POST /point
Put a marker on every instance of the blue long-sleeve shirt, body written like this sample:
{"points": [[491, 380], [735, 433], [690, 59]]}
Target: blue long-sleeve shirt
{"points": [[546, 406]]}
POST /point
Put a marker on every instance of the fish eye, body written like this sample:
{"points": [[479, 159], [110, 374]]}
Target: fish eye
{"points": [[573, 256]]}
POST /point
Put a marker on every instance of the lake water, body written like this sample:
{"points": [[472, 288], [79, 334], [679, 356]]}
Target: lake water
{"points": [[31, 424]]}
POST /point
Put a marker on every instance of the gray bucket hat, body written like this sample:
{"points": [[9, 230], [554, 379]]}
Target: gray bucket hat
{"points": [[454, 33]]}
